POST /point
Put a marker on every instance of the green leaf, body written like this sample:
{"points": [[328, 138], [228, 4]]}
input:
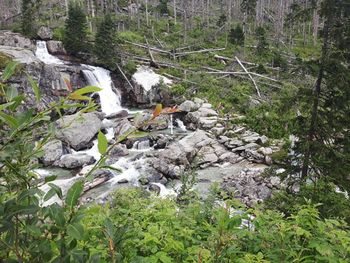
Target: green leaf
{"points": [[86, 90], [5, 105], [50, 178], [11, 93], [74, 193], [35, 88], [34, 230], [75, 231], [11, 121], [49, 194], [102, 143], [78, 97], [9, 70], [57, 190]]}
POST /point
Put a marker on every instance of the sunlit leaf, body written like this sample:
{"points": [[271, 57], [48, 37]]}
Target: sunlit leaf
{"points": [[86, 90], [157, 110], [74, 96], [11, 92], [5, 105], [75, 231], [102, 143], [74, 193], [169, 110], [35, 88], [9, 70], [11, 121]]}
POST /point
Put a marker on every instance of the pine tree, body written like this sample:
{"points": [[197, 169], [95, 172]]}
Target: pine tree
{"points": [[75, 37], [106, 43], [325, 146], [236, 36], [27, 18], [262, 45]]}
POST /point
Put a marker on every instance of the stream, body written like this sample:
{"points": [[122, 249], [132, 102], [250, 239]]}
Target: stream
{"points": [[110, 100]]}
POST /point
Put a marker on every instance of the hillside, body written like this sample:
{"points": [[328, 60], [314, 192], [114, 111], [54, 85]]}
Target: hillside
{"points": [[174, 131]]}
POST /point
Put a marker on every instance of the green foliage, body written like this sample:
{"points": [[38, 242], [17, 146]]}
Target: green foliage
{"points": [[33, 227], [27, 18], [163, 7], [236, 36], [262, 46], [331, 203], [222, 20], [75, 34], [137, 228], [106, 43], [58, 33]]}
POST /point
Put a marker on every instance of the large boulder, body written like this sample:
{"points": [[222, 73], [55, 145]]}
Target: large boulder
{"points": [[79, 129], [53, 151], [77, 160], [56, 47], [149, 88], [45, 33]]}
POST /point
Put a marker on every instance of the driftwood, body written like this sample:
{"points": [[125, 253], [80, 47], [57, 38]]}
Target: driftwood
{"points": [[198, 51], [250, 76], [126, 78], [153, 62]]}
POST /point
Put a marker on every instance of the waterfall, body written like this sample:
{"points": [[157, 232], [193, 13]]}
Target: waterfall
{"points": [[181, 125], [42, 53], [109, 98], [142, 145]]}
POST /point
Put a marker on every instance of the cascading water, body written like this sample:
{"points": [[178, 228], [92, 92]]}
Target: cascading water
{"points": [[43, 54], [110, 100], [100, 77]]}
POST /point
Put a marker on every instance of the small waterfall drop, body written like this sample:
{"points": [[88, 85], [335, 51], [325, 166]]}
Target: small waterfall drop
{"points": [[142, 145], [100, 77], [43, 54], [181, 125]]}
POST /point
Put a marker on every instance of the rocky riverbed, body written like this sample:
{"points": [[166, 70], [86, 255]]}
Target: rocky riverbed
{"points": [[195, 137]]}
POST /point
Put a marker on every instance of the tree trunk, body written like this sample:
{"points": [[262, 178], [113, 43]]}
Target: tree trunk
{"points": [[315, 107]]}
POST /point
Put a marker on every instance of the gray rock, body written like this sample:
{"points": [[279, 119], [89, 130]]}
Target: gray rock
{"points": [[56, 47], [207, 112], [123, 126], [45, 33], [218, 130], [198, 101], [250, 146], [72, 161], [192, 117], [79, 129], [53, 151], [207, 123], [10, 39], [207, 105], [117, 115], [188, 106]]}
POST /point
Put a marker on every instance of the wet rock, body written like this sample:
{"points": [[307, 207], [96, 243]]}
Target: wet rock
{"points": [[53, 151], [56, 48], [122, 126], [45, 33], [78, 160], [118, 115], [188, 106], [154, 188], [123, 181], [78, 130]]}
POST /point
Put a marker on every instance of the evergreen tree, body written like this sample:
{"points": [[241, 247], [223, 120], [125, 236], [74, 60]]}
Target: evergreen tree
{"points": [[75, 37], [27, 18], [236, 36], [163, 7], [222, 20], [105, 43], [262, 45]]}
